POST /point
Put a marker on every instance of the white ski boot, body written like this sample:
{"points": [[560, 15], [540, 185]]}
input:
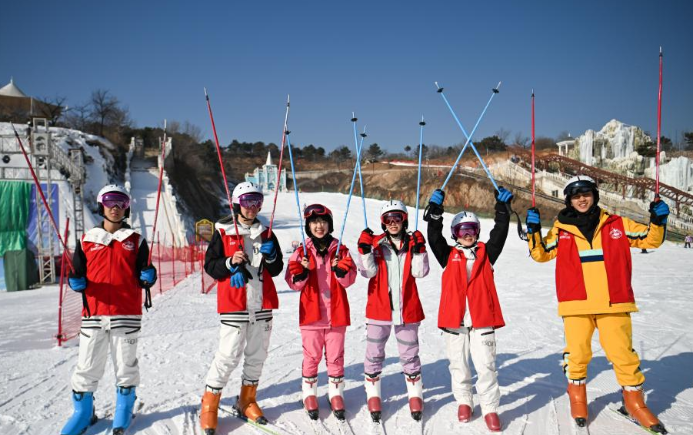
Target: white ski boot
{"points": [[415, 393], [335, 391], [310, 397], [373, 395]]}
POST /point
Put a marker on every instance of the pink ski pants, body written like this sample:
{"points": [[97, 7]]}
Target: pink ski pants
{"points": [[407, 343], [329, 341]]}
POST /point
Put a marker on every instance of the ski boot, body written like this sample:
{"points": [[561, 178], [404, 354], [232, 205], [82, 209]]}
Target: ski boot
{"points": [[335, 391], [635, 407], [577, 393], [125, 402], [373, 395], [415, 393], [247, 404], [310, 396], [493, 422], [83, 415], [464, 413], [209, 411]]}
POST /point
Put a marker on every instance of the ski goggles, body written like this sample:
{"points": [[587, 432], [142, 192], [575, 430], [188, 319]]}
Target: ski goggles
{"points": [[580, 186], [251, 200], [466, 229], [115, 199], [390, 217], [316, 210]]}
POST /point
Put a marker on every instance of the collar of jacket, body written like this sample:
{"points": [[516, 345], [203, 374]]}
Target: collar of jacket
{"points": [[103, 237]]}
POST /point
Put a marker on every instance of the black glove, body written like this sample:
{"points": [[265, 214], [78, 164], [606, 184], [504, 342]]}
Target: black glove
{"points": [[433, 212]]}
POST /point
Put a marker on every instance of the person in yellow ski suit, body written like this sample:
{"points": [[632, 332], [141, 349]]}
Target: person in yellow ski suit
{"points": [[593, 286]]}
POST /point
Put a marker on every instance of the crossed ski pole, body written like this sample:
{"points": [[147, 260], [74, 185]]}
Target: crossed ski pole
{"points": [[418, 182], [298, 203], [279, 168]]}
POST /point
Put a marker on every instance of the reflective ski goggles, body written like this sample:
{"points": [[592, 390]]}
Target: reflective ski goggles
{"points": [[115, 199], [581, 186], [393, 217], [316, 210], [251, 200], [466, 229]]}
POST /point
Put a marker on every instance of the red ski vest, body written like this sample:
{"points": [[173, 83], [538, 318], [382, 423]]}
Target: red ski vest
{"points": [[378, 306], [484, 306], [231, 299], [309, 304], [570, 281], [113, 288]]}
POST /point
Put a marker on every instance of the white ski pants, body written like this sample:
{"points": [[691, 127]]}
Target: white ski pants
{"points": [[240, 339], [99, 334], [481, 345]]}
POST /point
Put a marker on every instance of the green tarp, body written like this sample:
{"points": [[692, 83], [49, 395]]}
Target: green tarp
{"points": [[20, 270], [14, 213]]}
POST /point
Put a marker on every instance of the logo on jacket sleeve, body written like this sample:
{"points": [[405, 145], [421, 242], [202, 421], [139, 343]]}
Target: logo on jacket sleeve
{"points": [[129, 246], [615, 233]]}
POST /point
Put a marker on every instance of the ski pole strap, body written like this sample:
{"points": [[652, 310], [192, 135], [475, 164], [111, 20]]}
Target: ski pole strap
{"points": [[147, 298], [521, 233], [85, 304]]}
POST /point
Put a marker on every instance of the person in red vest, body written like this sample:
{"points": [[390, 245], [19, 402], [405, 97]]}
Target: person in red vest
{"points": [[393, 260], [469, 311], [243, 257], [111, 267], [322, 279], [593, 285]]}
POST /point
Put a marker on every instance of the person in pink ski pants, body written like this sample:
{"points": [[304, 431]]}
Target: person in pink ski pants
{"points": [[322, 277]]}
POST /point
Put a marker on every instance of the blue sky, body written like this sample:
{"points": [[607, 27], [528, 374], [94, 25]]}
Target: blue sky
{"points": [[588, 62]]}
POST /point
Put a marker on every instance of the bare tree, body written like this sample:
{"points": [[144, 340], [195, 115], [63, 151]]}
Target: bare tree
{"points": [[77, 117], [564, 135], [193, 131], [520, 140], [503, 134], [52, 108], [103, 107]]}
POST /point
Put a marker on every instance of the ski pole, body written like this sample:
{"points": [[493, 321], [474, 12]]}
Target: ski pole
{"points": [[659, 123], [158, 194], [351, 191], [534, 203], [468, 136], [418, 182], [43, 197], [359, 147], [223, 172], [279, 168], [298, 203]]}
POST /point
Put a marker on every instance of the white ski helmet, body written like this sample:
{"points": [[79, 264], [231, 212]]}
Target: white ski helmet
{"points": [[464, 217], [242, 189], [394, 205], [580, 184], [110, 188]]}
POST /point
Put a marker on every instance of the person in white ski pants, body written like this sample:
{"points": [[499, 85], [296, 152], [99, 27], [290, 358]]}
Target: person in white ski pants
{"points": [[99, 334]]}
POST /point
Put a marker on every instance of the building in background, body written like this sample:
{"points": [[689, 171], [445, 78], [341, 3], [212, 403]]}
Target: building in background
{"points": [[266, 176]]}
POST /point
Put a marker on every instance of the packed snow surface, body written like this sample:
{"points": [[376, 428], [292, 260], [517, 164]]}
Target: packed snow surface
{"points": [[180, 335]]}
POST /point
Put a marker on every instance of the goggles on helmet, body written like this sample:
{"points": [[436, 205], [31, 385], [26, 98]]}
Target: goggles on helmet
{"points": [[393, 216], [580, 186], [316, 210], [251, 200], [466, 229], [115, 199]]}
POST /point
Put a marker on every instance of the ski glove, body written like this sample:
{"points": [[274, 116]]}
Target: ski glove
{"points": [[268, 250], [437, 197], [533, 220], [77, 284], [419, 242], [298, 271], [503, 195], [237, 277], [366, 241], [148, 276], [659, 212], [343, 267]]}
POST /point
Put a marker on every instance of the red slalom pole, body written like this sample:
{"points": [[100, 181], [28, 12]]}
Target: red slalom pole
{"points": [[659, 123], [279, 170], [43, 197], [158, 193], [223, 172], [534, 203], [62, 281]]}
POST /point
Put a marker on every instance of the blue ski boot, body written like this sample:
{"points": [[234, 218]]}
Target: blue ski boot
{"points": [[83, 415], [123, 411]]}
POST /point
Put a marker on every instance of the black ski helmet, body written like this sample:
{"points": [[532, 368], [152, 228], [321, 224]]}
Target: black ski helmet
{"points": [[580, 184]]}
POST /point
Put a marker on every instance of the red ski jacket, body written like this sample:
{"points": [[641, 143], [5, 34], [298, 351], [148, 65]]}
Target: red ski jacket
{"points": [[480, 291]]}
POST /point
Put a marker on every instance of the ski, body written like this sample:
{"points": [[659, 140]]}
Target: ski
{"points": [[579, 430], [268, 428], [318, 426], [627, 417], [342, 424], [121, 431], [377, 428]]}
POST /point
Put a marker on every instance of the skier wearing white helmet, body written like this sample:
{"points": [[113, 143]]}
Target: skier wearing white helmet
{"points": [[243, 257], [593, 285], [469, 310], [111, 267], [393, 261]]}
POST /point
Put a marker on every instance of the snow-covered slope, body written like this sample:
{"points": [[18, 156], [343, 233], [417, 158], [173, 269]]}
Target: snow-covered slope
{"points": [[179, 338]]}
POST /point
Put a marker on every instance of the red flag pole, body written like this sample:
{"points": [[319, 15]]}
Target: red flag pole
{"points": [[279, 168], [158, 193], [659, 123], [534, 203], [62, 280]]}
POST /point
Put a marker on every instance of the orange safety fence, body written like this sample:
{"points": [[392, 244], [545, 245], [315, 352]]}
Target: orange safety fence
{"points": [[173, 265]]}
